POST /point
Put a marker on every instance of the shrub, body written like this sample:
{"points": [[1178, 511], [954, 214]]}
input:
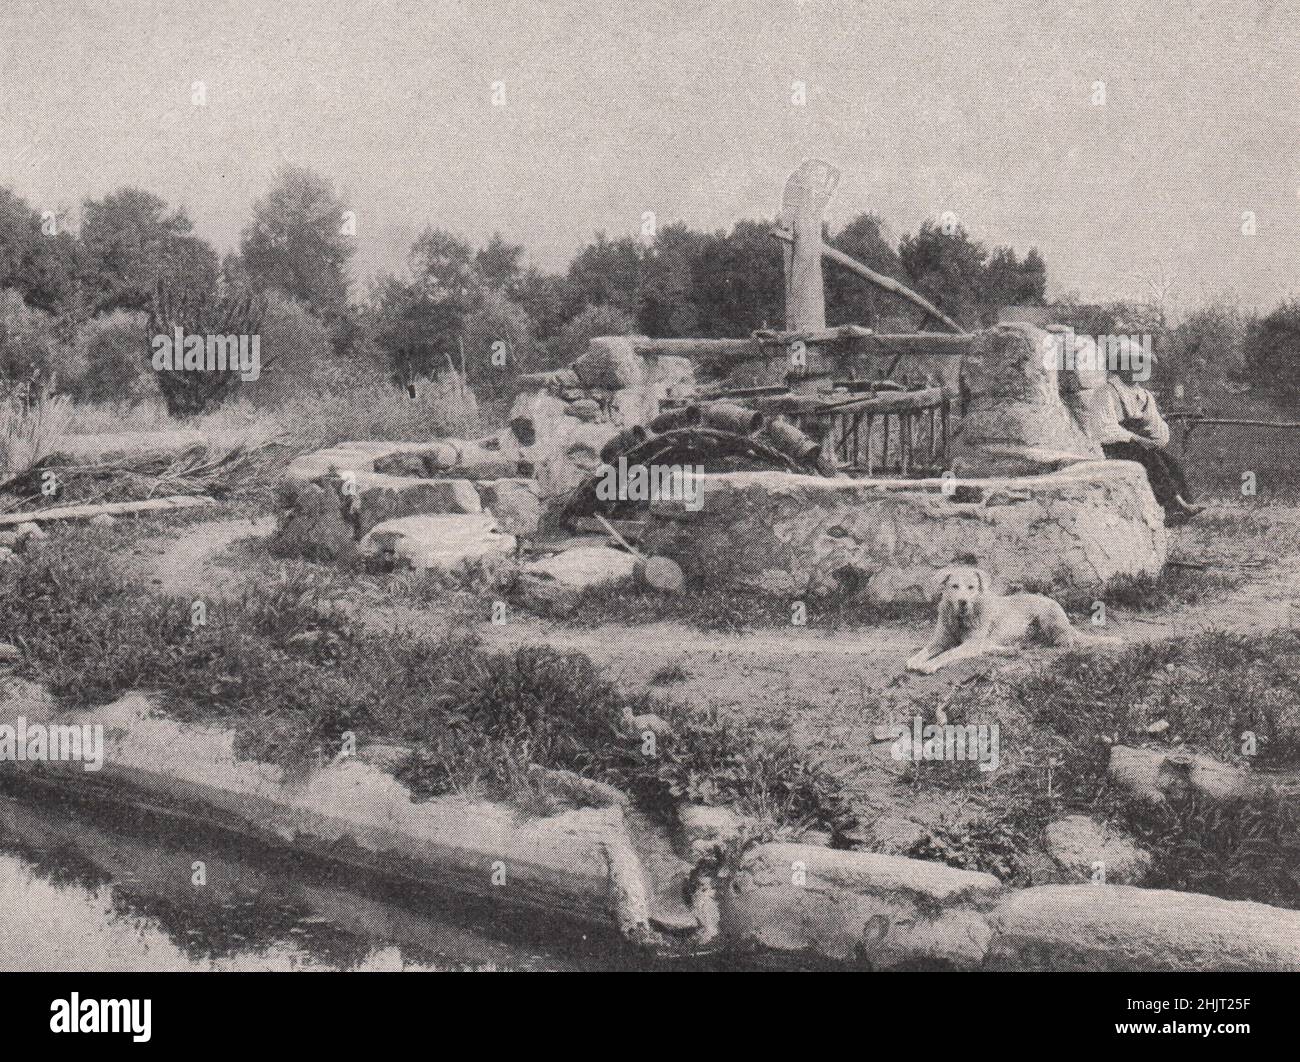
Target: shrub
{"points": [[591, 322], [112, 354], [1273, 351], [297, 353], [497, 320], [31, 345]]}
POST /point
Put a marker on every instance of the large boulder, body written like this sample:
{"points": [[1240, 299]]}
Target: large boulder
{"points": [[552, 585], [1014, 421], [884, 539], [440, 543], [875, 910], [1119, 927]]}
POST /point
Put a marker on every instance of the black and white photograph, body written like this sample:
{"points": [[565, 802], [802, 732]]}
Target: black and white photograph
{"points": [[555, 487]]}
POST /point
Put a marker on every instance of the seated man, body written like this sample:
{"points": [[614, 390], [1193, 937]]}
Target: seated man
{"points": [[1135, 431]]}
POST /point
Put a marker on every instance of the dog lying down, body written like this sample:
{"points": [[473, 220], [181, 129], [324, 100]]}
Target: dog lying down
{"points": [[976, 621]]}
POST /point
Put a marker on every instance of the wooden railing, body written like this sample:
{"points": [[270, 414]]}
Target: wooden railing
{"points": [[904, 433]]}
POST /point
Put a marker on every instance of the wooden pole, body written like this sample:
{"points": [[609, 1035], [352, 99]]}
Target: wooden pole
{"points": [[879, 279]]}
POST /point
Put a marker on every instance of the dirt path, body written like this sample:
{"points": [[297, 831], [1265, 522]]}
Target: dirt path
{"points": [[190, 561]]}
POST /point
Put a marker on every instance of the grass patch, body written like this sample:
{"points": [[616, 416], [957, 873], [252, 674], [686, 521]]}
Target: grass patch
{"points": [[292, 672], [733, 613], [1174, 587], [1058, 723]]}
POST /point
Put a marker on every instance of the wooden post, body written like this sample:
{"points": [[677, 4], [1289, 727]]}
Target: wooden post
{"points": [[807, 191]]}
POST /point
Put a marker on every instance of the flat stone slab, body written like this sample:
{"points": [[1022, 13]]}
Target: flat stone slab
{"points": [[414, 479], [884, 539], [440, 542]]}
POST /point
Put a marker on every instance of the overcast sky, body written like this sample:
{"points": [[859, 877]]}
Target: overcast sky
{"points": [[685, 108]]}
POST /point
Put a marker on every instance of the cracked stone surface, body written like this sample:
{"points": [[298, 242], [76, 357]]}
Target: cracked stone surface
{"points": [[883, 540]]}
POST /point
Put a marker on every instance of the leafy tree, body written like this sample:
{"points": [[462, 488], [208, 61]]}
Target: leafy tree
{"points": [[739, 281], [609, 272], [499, 265], [948, 269], [130, 240], [549, 300], [1010, 282], [42, 266], [31, 344], [1273, 351], [298, 242], [667, 300], [850, 299]]}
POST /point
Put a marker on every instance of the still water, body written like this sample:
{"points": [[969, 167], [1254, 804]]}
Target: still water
{"points": [[87, 888]]}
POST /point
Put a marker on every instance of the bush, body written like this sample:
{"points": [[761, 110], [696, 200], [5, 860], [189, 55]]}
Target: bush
{"points": [[297, 353], [113, 359], [1273, 351], [591, 322], [31, 344], [497, 320]]}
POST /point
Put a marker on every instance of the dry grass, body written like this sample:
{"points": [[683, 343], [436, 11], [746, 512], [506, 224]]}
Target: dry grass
{"points": [[29, 428], [370, 409]]}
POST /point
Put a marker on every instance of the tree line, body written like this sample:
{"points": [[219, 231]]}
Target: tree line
{"points": [[85, 299]]}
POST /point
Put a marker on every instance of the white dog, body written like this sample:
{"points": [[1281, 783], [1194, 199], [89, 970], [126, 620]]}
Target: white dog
{"points": [[976, 621]]}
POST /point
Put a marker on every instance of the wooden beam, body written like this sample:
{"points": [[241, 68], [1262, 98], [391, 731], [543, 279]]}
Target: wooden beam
{"points": [[879, 279], [85, 512]]}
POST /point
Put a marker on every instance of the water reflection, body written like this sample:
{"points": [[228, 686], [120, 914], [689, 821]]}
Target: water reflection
{"points": [[89, 889]]}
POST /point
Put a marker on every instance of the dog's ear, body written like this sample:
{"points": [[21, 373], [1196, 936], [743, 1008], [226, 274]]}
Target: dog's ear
{"points": [[985, 580], [937, 584]]}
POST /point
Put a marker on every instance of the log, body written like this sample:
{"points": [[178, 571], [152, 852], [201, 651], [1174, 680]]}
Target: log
{"points": [[726, 416], [86, 512], [902, 403]]}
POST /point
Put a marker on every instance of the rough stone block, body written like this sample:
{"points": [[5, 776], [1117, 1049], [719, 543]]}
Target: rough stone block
{"points": [[884, 539], [1120, 927], [876, 910]]}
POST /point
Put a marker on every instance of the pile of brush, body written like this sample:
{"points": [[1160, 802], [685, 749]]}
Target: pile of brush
{"points": [[240, 470]]}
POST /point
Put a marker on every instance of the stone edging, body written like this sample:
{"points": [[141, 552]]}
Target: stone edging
{"points": [[766, 900]]}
